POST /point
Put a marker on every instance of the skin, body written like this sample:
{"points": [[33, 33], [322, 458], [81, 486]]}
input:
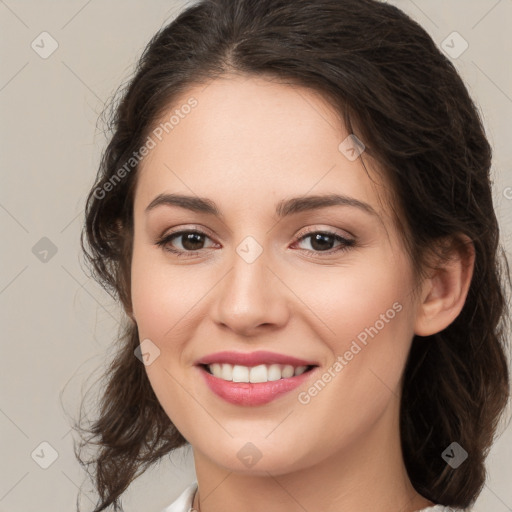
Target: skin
{"points": [[248, 144]]}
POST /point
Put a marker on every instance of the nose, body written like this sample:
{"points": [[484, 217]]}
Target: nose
{"points": [[251, 299]]}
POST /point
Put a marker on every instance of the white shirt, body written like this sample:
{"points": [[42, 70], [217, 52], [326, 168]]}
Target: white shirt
{"points": [[184, 503]]}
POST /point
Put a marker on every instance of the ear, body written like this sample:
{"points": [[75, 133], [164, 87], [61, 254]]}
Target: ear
{"points": [[444, 292]]}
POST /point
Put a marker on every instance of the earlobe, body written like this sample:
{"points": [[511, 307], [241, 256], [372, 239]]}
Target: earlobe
{"points": [[444, 292]]}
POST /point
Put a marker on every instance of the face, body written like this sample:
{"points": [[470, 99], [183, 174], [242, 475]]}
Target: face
{"points": [[272, 285]]}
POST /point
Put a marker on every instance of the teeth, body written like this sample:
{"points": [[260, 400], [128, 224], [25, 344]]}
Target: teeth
{"points": [[227, 372], [287, 371], [274, 372], [300, 370], [240, 374], [260, 373]]}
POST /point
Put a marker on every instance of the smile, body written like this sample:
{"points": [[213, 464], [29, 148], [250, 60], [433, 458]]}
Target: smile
{"points": [[255, 378], [260, 373]]}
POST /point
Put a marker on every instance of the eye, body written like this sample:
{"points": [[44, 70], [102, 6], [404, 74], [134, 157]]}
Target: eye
{"points": [[323, 241], [191, 242]]}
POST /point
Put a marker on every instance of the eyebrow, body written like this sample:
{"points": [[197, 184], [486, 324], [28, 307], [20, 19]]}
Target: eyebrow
{"points": [[284, 208]]}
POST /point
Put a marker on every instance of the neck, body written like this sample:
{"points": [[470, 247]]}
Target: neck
{"points": [[367, 475]]}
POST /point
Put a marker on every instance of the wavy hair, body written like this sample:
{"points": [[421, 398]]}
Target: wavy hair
{"points": [[396, 91]]}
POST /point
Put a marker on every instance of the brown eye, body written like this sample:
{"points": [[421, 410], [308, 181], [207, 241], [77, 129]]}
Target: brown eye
{"points": [[323, 242], [191, 242]]}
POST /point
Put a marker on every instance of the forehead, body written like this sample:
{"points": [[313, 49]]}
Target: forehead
{"points": [[248, 141]]}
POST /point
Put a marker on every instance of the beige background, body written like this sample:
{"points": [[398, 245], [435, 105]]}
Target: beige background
{"points": [[57, 323]]}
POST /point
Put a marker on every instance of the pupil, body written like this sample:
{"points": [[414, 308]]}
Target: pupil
{"points": [[190, 239], [319, 237]]}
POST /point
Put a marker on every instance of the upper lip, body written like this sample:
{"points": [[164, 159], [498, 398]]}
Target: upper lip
{"points": [[253, 359]]}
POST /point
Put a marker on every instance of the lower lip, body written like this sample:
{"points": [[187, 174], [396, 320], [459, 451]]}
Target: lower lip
{"points": [[248, 393]]}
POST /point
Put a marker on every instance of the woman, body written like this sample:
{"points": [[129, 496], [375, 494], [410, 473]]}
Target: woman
{"points": [[296, 213]]}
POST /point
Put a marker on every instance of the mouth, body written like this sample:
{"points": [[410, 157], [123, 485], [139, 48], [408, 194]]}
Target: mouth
{"points": [[255, 374], [255, 378]]}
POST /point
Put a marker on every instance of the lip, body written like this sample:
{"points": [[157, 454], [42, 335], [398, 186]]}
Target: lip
{"points": [[252, 394], [253, 358]]}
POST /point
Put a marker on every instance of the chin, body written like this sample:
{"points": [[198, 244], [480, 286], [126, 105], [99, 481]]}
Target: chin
{"points": [[255, 457]]}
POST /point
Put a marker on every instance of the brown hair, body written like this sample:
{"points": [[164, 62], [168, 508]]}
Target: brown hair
{"points": [[398, 93]]}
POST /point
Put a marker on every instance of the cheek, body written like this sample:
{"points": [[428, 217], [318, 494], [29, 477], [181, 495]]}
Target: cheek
{"points": [[370, 320], [348, 300], [366, 316], [163, 299], [163, 295]]}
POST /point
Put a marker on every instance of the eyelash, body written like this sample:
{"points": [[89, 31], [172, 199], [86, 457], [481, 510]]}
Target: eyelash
{"points": [[346, 243]]}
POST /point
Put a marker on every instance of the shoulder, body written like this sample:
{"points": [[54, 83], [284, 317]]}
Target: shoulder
{"points": [[183, 502]]}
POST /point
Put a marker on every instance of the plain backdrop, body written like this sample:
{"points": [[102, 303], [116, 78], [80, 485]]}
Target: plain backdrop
{"points": [[57, 323]]}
